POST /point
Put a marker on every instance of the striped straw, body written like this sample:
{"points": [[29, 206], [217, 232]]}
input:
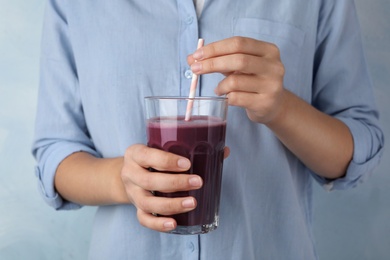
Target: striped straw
{"points": [[194, 83]]}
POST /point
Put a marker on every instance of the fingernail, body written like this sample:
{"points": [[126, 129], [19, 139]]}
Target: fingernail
{"points": [[195, 181], [196, 67], [198, 54], [169, 224], [183, 163], [188, 203]]}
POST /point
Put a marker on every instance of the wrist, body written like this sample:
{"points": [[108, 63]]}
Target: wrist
{"points": [[117, 189], [281, 113]]}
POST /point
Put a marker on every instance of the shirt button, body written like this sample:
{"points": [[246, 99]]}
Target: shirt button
{"points": [[188, 74], [191, 246], [328, 186], [189, 19]]}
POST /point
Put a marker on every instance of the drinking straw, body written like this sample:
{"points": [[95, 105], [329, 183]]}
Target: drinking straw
{"points": [[194, 83]]}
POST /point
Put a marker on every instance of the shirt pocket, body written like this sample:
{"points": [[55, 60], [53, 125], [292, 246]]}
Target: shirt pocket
{"points": [[289, 39]]}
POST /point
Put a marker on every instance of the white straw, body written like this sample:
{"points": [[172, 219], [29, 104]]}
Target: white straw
{"points": [[194, 83]]}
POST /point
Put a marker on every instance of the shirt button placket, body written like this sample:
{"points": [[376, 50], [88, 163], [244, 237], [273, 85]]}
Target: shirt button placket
{"points": [[188, 39], [191, 31]]}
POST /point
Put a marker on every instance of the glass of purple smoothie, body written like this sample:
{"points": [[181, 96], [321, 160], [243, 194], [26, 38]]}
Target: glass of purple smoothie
{"points": [[201, 139]]}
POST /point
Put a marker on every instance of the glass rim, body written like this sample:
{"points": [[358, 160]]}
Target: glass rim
{"points": [[185, 98]]}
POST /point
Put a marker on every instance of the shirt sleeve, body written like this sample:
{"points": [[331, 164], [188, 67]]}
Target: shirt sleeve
{"points": [[60, 128], [342, 88]]}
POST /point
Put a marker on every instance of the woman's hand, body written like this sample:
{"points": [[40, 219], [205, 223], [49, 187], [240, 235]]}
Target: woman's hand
{"points": [[139, 182], [254, 80], [254, 74]]}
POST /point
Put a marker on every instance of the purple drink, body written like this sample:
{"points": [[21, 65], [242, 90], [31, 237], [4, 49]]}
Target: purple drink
{"points": [[202, 141]]}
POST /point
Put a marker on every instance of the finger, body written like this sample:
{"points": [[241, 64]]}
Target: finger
{"points": [[226, 152], [242, 63], [157, 159], [235, 45], [247, 100], [161, 224], [166, 206], [239, 82], [166, 182]]}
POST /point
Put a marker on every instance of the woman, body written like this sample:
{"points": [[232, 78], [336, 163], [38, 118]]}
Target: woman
{"points": [[301, 101]]}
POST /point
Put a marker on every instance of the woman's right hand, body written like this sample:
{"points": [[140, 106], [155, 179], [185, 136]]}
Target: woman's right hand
{"points": [[139, 183]]}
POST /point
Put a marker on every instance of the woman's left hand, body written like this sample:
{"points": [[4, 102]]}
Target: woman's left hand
{"points": [[254, 74]]}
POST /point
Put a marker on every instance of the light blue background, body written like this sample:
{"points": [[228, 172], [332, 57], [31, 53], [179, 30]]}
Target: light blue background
{"points": [[353, 224]]}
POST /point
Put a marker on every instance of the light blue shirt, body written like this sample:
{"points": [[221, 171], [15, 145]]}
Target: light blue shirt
{"points": [[101, 58]]}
